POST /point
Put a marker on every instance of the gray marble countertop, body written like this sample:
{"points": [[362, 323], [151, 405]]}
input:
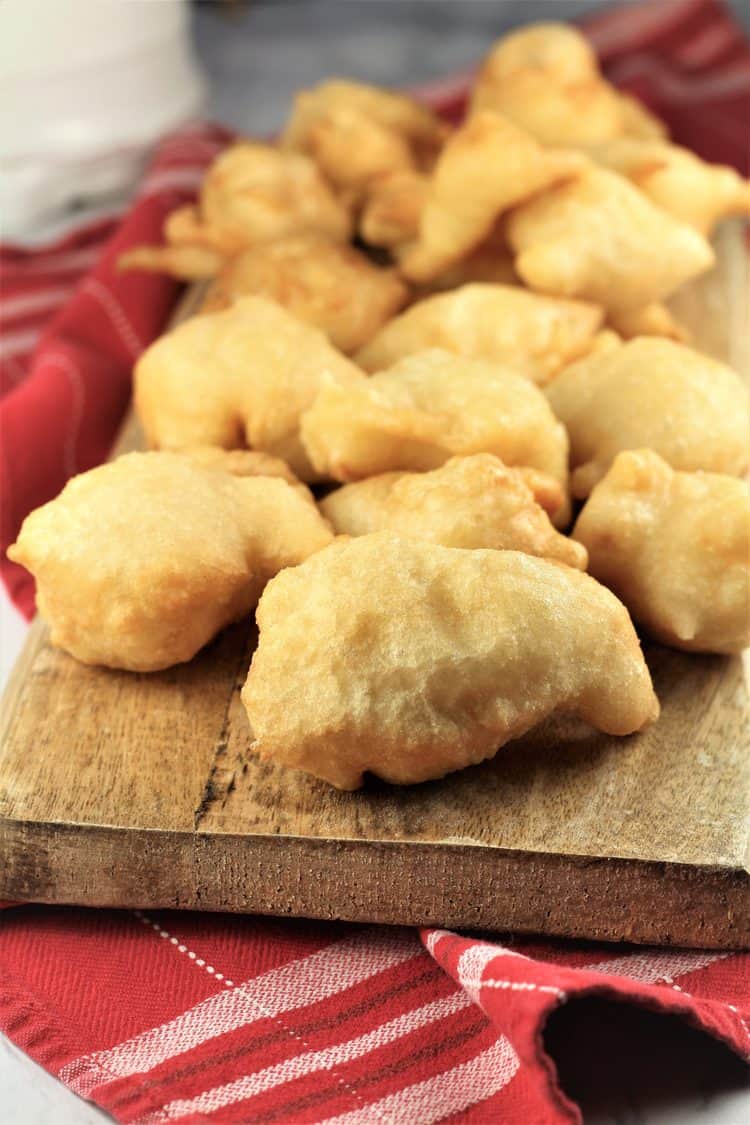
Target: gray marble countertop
{"points": [[624, 1066]]}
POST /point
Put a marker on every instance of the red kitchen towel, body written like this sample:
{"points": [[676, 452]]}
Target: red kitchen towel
{"points": [[219, 1018], [65, 378], [189, 1017]]}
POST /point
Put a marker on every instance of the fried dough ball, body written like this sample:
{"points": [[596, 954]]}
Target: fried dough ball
{"points": [[252, 193], [390, 218], [546, 78], [324, 283], [600, 239], [187, 263], [247, 463], [675, 179], [605, 341], [650, 320], [241, 377], [392, 208], [356, 133], [140, 562], [675, 547], [487, 166], [429, 407], [491, 263], [656, 394], [192, 251], [410, 660], [468, 502], [534, 335]]}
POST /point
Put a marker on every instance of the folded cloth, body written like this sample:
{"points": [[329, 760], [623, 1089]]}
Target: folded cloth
{"points": [[193, 1017], [189, 1017], [71, 329]]}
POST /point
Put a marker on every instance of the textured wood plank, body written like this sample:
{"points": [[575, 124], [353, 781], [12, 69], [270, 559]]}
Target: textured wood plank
{"points": [[118, 789], [91, 745], [678, 792], [387, 881]]}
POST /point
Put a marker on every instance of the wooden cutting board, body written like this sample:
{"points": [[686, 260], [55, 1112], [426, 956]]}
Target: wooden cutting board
{"points": [[140, 790]]}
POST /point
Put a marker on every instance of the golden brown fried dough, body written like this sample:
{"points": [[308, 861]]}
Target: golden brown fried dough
{"points": [[675, 547], [651, 320], [140, 562], [324, 283], [249, 463], [397, 112], [427, 408], [237, 378], [356, 133], [488, 166], [469, 502], [188, 263], [491, 263], [193, 252], [545, 78], [252, 193], [675, 179], [652, 394], [534, 335], [410, 660], [547, 492], [392, 207], [598, 238]]}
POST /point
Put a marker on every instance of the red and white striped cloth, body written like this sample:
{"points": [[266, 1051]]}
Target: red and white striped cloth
{"points": [[189, 1017], [71, 328]]}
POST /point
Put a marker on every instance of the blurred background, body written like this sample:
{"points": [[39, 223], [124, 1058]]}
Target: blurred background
{"points": [[87, 86], [256, 54]]}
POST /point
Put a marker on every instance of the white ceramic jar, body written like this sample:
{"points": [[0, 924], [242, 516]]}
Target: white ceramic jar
{"points": [[86, 87]]}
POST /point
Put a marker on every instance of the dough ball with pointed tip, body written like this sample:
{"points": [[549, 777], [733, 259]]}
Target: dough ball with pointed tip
{"points": [[488, 166], [429, 407], [240, 377], [409, 660], [600, 239], [546, 78], [357, 133], [246, 463], [140, 562], [536, 336], [474, 501], [675, 179], [675, 547], [327, 284], [252, 193], [392, 207], [654, 394], [649, 320]]}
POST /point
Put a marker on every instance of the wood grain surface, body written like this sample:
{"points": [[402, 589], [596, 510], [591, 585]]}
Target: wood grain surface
{"points": [[140, 790]]}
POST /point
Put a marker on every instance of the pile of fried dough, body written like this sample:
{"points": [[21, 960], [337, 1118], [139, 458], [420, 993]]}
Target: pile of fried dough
{"points": [[465, 330]]}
